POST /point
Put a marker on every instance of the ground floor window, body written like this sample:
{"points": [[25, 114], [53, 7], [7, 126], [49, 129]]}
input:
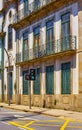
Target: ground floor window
{"points": [[50, 80], [36, 87], [25, 83], [65, 78]]}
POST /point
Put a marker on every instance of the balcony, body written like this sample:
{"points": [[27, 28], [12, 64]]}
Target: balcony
{"points": [[65, 46], [36, 11]]}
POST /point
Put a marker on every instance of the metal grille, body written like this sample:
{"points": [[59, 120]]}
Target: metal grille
{"points": [[67, 43]]}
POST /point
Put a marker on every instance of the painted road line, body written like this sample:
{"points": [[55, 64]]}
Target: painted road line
{"points": [[20, 126], [30, 123], [5, 123], [15, 124], [65, 124]]}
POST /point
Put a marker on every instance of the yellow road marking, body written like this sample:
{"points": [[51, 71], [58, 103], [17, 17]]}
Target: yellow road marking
{"points": [[65, 124], [29, 124], [14, 123], [25, 127]]}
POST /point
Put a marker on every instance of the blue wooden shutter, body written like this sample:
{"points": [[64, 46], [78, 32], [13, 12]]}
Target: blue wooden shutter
{"points": [[49, 37], [25, 7], [36, 41], [25, 84], [50, 80], [65, 29], [9, 37], [25, 47], [10, 84], [65, 78], [37, 82]]}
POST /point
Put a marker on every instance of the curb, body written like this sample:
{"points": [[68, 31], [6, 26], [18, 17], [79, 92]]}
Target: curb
{"points": [[31, 111]]}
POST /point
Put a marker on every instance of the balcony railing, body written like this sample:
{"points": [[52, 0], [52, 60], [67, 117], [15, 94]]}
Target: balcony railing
{"points": [[33, 7], [67, 43]]}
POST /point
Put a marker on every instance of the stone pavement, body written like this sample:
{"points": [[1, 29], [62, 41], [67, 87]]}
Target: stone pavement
{"points": [[52, 112]]}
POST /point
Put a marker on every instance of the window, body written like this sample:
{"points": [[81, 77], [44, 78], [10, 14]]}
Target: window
{"points": [[50, 80], [49, 37], [25, 6], [36, 4], [65, 30], [65, 78], [25, 46], [9, 38], [36, 41], [37, 82], [25, 83]]}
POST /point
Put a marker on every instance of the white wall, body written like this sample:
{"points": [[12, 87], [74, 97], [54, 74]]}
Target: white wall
{"points": [[1, 4]]}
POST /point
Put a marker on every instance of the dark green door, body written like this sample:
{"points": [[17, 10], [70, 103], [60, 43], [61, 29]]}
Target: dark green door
{"points": [[50, 80], [65, 78], [25, 83], [37, 82], [10, 84]]}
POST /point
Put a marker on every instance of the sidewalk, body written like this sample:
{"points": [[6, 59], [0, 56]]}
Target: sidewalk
{"points": [[52, 112]]}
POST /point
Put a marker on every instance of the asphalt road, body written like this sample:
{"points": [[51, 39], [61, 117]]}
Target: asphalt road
{"points": [[17, 120]]}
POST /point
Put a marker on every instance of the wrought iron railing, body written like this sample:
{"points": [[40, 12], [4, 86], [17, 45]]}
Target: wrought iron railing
{"points": [[32, 7], [67, 43]]}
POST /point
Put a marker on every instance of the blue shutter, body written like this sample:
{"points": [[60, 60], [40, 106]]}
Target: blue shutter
{"points": [[49, 37], [10, 84], [37, 82], [25, 84], [25, 7], [9, 37], [25, 47], [65, 78], [50, 80], [65, 29]]}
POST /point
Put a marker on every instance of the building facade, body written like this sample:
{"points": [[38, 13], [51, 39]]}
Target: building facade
{"points": [[44, 35]]}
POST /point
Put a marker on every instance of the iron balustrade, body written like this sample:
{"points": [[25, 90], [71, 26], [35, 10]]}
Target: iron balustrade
{"points": [[32, 7], [67, 43]]}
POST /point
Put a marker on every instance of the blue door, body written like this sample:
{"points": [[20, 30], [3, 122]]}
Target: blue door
{"points": [[65, 78], [10, 84]]}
